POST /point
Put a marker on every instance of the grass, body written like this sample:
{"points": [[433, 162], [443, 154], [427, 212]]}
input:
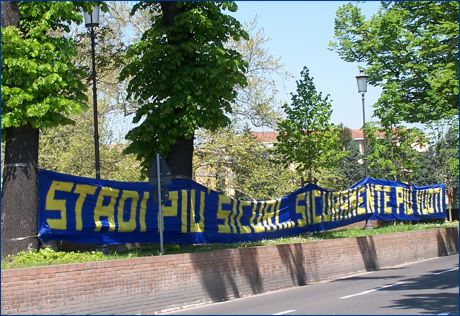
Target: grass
{"points": [[48, 256]]}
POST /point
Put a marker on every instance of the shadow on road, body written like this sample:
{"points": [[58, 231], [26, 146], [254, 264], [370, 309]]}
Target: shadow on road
{"points": [[431, 303]]}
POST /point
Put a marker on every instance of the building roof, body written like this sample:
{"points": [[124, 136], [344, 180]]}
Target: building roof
{"points": [[357, 134], [265, 137], [270, 137]]}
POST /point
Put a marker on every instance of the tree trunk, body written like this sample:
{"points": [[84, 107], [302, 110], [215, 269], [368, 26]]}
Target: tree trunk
{"points": [[20, 191], [20, 185], [10, 14], [180, 156], [169, 10]]}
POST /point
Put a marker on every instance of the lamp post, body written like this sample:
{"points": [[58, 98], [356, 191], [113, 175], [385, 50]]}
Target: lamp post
{"points": [[92, 21], [361, 79], [362, 88]]}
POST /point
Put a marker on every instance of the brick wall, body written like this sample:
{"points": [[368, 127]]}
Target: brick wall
{"points": [[148, 285]]}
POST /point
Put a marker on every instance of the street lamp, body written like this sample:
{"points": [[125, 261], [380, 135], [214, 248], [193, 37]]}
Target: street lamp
{"points": [[92, 21], [361, 79]]}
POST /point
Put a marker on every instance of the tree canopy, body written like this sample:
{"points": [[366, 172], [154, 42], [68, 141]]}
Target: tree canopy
{"points": [[41, 85], [182, 75], [307, 137], [410, 49]]}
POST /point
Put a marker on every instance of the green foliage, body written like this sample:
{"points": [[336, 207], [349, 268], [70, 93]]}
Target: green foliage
{"points": [[439, 164], [240, 165], [70, 149], [411, 51], [182, 76], [394, 153], [40, 83], [388, 228], [306, 137], [48, 256]]}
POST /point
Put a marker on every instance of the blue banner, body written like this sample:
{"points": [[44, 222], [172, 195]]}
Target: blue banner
{"points": [[85, 210]]}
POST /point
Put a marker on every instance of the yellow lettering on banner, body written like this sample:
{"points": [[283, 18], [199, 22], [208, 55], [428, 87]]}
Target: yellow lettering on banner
{"points": [[344, 205], [105, 211], [53, 204], [130, 225], [202, 205], [386, 199], [428, 202], [143, 210], [223, 214], [408, 203], [361, 192], [300, 209], [277, 217], [431, 200], [308, 207], [438, 194], [258, 226], [194, 226], [183, 217], [317, 219], [245, 229], [253, 215], [375, 197], [334, 205], [269, 214], [170, 210], [420, 204], [400, 203], [83, 190], [352, 202], [327, 214], [262, 207]]}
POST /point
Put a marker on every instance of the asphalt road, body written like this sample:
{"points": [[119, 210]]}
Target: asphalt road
{"points": [[425, 287]]}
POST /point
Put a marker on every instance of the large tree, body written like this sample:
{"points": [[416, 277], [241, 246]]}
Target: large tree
{"points": [[410, 49], [40, 87], [307, 137], [183, 78]]}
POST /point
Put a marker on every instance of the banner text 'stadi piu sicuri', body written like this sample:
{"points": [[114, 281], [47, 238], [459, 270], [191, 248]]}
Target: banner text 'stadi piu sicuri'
{"points": [[85, 210]]}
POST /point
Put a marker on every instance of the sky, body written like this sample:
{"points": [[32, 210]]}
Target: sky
{"points": [[299, 33]]}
